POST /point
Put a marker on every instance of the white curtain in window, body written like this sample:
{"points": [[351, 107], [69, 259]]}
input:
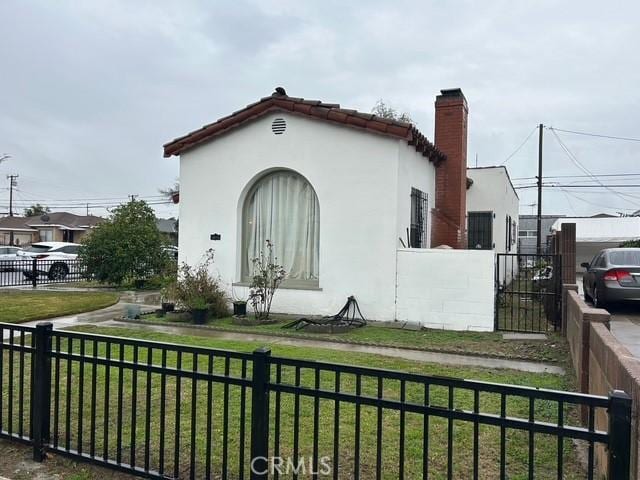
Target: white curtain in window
{"points": [[283, 208]]}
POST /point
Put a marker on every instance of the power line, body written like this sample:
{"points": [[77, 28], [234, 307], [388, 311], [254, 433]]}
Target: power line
{"points": [[564, 185], [566, 195], [611, 137], [582, 176], [599, 205], [85, 199], [521, 145], [575, 160]]}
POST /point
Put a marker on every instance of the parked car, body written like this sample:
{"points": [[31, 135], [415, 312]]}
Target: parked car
{"points": [[9, 258], [171, 251], [57, 259], [612, 276]]}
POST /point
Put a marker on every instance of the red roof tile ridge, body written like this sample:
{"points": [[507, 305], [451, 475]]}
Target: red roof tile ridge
{"points": [[331, 112]]}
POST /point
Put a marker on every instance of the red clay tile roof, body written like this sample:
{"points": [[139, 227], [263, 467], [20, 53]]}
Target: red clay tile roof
{"points": [[330, 112]]}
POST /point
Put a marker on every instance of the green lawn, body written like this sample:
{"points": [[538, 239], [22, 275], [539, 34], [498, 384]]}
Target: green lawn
{"points": [[517, 442], [17, 306], [554, 349]]}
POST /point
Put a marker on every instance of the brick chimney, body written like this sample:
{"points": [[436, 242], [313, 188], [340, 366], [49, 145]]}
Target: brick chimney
{"points": [[449, 215]]}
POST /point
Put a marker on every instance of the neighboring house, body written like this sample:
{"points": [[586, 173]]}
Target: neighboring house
{"points": [[168, 227], [50, 227], [14, 231], [596, 233], [527, 233], [341, 194], [492, 210]]}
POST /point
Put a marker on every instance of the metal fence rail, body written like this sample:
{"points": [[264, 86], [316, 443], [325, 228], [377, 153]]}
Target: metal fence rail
{"points": [[176, 411], [38, 271]]}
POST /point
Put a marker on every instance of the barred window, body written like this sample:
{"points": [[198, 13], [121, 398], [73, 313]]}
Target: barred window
{"points": [[419, 212]]}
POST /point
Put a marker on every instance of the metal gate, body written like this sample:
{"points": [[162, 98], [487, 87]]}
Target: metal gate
{"points": [[528, 292]]}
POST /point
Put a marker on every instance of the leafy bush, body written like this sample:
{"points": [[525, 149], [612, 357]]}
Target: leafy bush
{"points": [[631, 243], [267, 277], [197, 289], [126, 247]]}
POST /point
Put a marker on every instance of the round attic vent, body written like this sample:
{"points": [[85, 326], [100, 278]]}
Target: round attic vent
{"points": [[278, 126]]}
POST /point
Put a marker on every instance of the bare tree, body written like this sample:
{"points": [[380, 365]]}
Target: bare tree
{"points": [[381, 109], [172, 193]]}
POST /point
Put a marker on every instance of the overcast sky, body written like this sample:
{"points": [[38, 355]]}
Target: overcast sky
{"points": [[90, 91]]}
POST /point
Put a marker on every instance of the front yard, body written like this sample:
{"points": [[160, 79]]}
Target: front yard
{"points": [[553, 349], [122, 413], [17, 306]]}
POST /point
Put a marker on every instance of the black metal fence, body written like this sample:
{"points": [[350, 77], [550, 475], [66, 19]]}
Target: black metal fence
{"points": [[176, 411], [36, 271], [528, 292]]}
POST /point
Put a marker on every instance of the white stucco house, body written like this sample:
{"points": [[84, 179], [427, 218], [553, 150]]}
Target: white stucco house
{"points": [[492, 217], [352, 202], [492, 210]]}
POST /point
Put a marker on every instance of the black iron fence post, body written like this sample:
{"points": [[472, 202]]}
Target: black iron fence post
{"points": [[260, 414], [41, 393], [34, 273], [619, 435]]}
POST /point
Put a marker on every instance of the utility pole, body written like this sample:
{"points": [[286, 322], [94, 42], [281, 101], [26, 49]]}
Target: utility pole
{"points": [[13, 182], [133, 197], [539, 230]]}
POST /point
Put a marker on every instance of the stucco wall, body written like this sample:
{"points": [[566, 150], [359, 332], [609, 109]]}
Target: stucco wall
{"points": [[355, 176], [492, 192], [412, 173], [450, 289]]}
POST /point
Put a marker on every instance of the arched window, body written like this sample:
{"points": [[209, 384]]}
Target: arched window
{"points": [[283, 207]]}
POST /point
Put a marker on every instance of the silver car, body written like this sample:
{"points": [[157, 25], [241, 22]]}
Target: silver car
{"points": [[9, 258], [613, 276]]}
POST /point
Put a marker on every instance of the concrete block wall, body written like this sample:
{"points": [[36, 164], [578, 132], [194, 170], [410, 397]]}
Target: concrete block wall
{"points": [[448, 289], [602, 364], [612, 366]]}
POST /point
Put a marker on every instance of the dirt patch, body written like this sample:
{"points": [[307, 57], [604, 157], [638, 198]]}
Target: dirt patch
{"points": [[17, 464]]}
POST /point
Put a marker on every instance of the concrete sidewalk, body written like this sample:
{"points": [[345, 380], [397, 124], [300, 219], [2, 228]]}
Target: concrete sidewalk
{"points": [[107, 317], [404, 353], [96, 316]]}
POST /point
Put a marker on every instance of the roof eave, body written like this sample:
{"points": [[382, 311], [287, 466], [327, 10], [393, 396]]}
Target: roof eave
{"points": [[311, 109]]}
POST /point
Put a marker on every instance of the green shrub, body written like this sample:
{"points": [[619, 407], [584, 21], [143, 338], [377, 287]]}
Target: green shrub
{"points": [[631, 243], [197, 289], [125, 247]]}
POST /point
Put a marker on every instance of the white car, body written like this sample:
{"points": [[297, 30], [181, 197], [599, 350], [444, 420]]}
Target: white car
{"points": [[9, 258], [56, 260]]}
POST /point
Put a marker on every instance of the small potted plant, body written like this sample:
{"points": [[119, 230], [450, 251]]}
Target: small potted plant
{"points": [[199, 310], [239, 305], [168, 297]]}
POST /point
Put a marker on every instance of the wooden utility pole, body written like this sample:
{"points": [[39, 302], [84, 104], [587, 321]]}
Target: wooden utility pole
{"points": [[12, 183], [539, 230]]}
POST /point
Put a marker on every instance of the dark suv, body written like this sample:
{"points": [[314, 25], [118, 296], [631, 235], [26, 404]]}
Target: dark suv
{"points": [[613, 276]]}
